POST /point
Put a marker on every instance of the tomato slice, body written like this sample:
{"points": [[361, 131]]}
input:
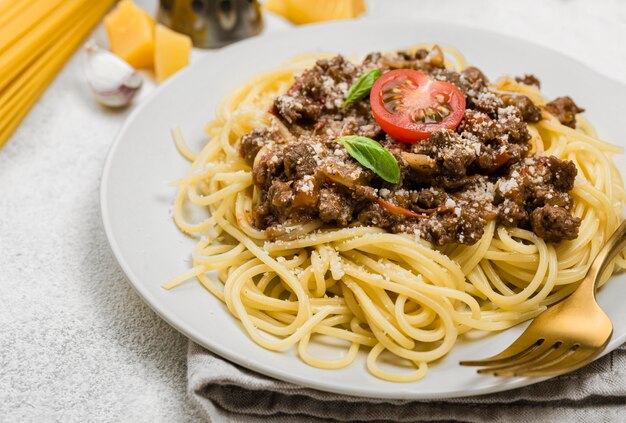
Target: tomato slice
{"points": [[410, 106]]}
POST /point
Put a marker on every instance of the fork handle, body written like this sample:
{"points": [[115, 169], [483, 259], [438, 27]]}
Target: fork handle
{"points": [[612, 248]]}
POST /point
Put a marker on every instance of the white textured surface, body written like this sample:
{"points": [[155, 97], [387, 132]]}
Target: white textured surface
{"points": [[76, 343]]}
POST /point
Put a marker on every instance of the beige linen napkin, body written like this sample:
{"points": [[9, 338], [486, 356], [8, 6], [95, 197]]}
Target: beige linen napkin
{"points": [[229, 393]]}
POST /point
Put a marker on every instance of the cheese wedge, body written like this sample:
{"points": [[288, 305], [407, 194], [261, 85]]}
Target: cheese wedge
{"points": [[171, 52], [278, 7], [305, 11], [131, 34]]}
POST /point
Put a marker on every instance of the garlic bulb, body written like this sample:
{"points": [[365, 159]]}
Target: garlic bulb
{"points": [[113, 81]]}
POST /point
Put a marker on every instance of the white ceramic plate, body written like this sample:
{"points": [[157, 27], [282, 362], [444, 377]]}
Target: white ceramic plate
{"points": [[136, 195]]}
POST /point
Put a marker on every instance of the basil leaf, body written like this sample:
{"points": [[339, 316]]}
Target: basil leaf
{"points": [[373, 156], [361, 87]]}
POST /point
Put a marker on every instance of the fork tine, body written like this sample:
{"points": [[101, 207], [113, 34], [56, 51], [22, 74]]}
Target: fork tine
{"points": [[518, 349], [548, 354], [569, 363], [548, 362]]}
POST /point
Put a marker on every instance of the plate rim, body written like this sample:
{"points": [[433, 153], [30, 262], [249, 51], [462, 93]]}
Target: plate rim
{"points": [[274, 372]]}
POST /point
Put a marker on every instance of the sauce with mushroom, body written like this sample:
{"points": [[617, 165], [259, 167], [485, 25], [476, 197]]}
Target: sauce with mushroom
{"points": [[451, 183]]}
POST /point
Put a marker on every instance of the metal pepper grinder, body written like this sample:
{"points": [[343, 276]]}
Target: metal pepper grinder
{"points": [[212, 23]]}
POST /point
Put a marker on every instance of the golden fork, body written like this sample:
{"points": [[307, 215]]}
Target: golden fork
{"points": [[566, 336]]}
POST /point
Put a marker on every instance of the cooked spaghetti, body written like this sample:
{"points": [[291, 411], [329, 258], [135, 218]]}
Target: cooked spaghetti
{"points": [[394, 268]]}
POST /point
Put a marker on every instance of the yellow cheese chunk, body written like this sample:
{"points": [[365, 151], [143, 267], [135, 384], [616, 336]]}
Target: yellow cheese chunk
{"points": [[277, 6], [171, 52], [306, 11], [150, 19], [131, 34], [359, 7]]}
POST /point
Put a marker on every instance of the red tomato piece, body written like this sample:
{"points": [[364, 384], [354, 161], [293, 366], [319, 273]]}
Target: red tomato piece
{"points": [[410, 106]]}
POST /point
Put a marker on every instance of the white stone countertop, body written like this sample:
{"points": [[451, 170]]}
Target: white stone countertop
{"points": [[76, 343]]}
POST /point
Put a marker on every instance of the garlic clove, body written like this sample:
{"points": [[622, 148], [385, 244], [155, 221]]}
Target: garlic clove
{"points": [[113, 81]]}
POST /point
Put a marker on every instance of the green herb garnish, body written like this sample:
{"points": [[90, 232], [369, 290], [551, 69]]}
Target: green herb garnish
{"points": [[361, 87], [372, 155]]}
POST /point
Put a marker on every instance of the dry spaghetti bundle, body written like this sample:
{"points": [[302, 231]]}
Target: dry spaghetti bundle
{"points": [[36, 39]]}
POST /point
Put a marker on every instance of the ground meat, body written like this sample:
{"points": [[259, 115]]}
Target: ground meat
{"points": [[473, 83], [311, 84], [452, 153], [314, 104], [451, 183], [335, 207], [299, 159], [451, 227], [252, 142], [358, 120], [398, 197], [421, 54], [297, 109], [546, 195], [479, 124], [530, 112], [318, 90], [516, 152], [536, 183], [374, 215], [429, 198], [474, 75], [529, 79], [423, 60], [372, 59], [560, 173], [486, 102], [470, 226], [280, 195], [553, 223], [443, 232], [565, 110], [484, 144], [511, 194], [473, 80], [512, 213], [403, 60], [337, 68], [347, 173], [442, 74], [268, 167], [262, 214], [365, 193], [511, 126], [488, 159]]}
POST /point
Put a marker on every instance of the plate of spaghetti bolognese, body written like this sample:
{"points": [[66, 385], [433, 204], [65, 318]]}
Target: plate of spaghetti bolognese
{"points": [[361, 205]]}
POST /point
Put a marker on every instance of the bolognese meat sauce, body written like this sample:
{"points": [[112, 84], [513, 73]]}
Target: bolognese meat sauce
{"points": [[451, 183]]}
